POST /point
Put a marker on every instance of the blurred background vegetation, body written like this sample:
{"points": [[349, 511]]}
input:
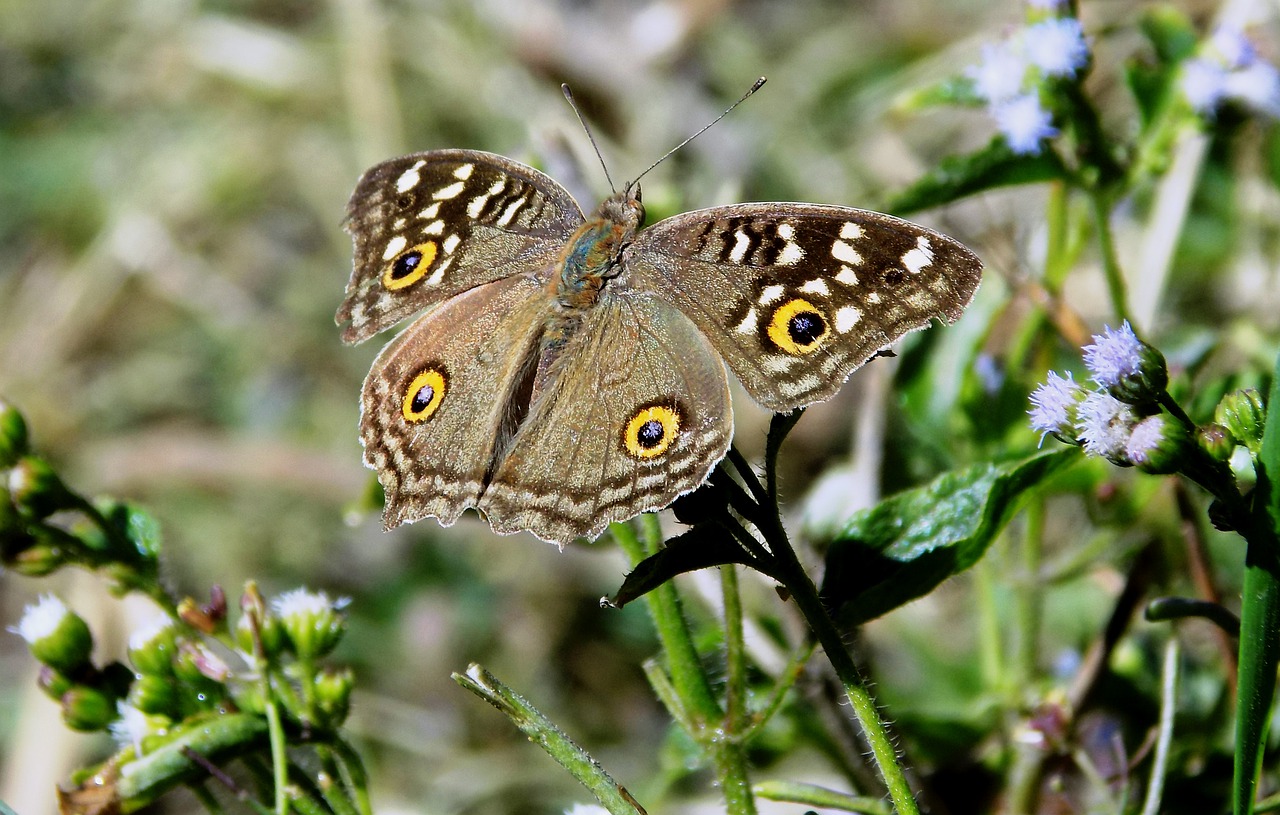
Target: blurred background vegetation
{"points": [[172, 181]]}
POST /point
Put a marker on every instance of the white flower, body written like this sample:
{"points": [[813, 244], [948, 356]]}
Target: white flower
{"points": [[1023, 123], [302, 601], [1115, 355], [131, 726], [1204, 83], [1057, 46], [1257, 86], [1105, 424], [1053, 403], [42, 619], [1231, 45], [143, 635], [998, 77]]}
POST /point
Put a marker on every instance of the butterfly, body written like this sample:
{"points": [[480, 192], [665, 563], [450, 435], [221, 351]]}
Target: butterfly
{"points": [[568, 371]]}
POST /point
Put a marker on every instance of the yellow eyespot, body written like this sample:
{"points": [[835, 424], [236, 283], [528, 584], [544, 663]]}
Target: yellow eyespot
{"points": [[423, 396], [409, 266], [651, 431], [798, 327]]}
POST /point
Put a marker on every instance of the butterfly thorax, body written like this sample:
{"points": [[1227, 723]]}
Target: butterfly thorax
{"points": [[593, 251]]}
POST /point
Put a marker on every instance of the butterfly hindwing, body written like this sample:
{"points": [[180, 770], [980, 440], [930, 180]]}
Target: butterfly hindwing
{"points": [[431, 225], [436, 398], [635, 413], [796, 296]]}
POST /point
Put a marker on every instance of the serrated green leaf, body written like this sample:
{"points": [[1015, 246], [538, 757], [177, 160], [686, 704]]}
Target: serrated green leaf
{"points": [[906, 545], [959, 176]]}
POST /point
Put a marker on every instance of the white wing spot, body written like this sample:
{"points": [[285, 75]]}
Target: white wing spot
{"points": [[815, 286], [920, 257], [438, 274], [850, 231], [497, 187], [394, 247], [451, 191], [873, 298], [748, 324], [464, 172], [409, 178], [845, 253], [786, 231], [791, 254], [430, 212], [476, 205], [510, 211], [847, 318], [777, 365], [398, 223], [739, 250], [434, 228], [451, 243], [847, 276], [771, 294]]}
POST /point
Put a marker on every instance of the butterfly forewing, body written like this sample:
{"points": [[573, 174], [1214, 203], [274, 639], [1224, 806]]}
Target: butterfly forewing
{"points": [[796, 296], [431, 225]]}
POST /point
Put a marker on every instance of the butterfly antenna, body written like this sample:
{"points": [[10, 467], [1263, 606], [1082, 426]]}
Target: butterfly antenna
{"points": [[568, 95], [759, 83]]}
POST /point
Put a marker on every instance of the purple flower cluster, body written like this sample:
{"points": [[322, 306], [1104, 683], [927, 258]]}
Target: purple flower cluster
{"points": [[1228, 69], [1011, 73], [1117, 420]]}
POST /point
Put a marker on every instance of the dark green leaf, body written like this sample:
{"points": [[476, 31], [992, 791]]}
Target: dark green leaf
{"points": [[906, 545], [958, 176], [701, 547]]}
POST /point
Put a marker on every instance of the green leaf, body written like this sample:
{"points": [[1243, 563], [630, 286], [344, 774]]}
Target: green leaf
{"points": [[959, 176], [1170, 31], [906, 545]]}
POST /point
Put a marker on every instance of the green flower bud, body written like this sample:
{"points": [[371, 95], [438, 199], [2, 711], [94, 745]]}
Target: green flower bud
{"points": [[57, 636], [1216, 440], [153, 646], [53, 683], [333, 695], [1158, 444], [156, 695], [88, 709], [13, 435], [36, 490], [270, 633], [197, 665], [311, 622], [1243, 413]]}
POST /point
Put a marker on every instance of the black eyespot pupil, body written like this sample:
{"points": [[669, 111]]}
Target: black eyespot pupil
{"points": [[404, 201], [422, 398], [806, 328], [650, 434], [893, 277], [405, 264]]}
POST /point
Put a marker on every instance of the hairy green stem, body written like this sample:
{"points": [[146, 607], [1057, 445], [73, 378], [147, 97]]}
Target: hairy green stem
{"points": [[730, 756]]}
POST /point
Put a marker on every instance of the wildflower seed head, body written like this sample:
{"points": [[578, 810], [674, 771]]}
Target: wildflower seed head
{"points": [[1054, 405]]}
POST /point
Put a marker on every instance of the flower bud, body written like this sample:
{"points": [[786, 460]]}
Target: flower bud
{"points": [[1128, 368], [153, 646], [88, 709], [270, 634], [13, 435], [57, 636], [156, 695], [1158, 444], [333, 695], [1243, 413], [197, 664], [1216, 440], [53, 683], [36, 490], [311, 622]]}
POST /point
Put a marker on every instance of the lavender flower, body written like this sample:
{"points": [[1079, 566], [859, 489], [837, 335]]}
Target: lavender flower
{"points": [[1204, 84], [1057, 46], [1023, 123], [1114, 355], [1105, 424], [1053, 406], [998, 77], [1229, 69]]}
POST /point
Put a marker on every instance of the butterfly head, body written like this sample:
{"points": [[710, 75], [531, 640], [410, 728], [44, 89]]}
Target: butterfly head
{"points": [[624, 208]]}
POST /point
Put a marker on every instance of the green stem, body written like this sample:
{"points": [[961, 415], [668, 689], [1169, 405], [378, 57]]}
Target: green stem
{"points": [[1107, 248], [665, 608], [1029, 597], [731, 759], [1259, 613], [357, 776]]}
